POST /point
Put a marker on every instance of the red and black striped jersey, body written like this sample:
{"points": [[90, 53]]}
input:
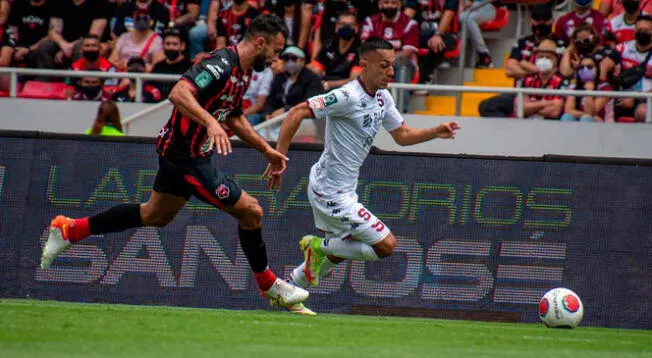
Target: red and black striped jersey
{"points": [[220, 83]]}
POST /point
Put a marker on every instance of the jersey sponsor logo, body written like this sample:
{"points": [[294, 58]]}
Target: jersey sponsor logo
{"points": [[317, 103], [206, 146], [226, 98], [203, 79], [330, 99], [215, 70], [367, 121], [222, 114], [224, 61], [222, 191]]}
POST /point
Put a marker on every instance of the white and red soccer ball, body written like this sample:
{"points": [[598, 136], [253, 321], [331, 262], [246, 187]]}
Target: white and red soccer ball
{"points": [[561, 308]]}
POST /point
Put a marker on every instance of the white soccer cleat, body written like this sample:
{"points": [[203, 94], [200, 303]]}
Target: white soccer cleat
{"points": [[300, 308], [285, 294], [56, 242]]}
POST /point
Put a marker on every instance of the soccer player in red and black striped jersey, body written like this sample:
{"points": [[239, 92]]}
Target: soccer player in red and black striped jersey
{"points": [[209, 94]]}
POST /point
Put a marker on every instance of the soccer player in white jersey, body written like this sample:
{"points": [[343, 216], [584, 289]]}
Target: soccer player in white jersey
{"points": [[354, 114]]}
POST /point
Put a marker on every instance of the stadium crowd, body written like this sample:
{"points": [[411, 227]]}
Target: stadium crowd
{"points": [[605, 49]]}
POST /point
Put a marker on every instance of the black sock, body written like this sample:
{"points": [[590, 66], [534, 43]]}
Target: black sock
{"points": [[118, 218], [253, 246]]}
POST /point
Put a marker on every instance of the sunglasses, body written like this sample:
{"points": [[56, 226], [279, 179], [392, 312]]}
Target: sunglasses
{"points": [[587, 67], [588, 40], [289, 58]]}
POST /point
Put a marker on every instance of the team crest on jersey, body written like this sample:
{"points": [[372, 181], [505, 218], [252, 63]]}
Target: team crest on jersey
{"points": [[381, 100], [330, 99], [222, 191], [222, 114], [203, 79], [389, 32], [316, 103]]}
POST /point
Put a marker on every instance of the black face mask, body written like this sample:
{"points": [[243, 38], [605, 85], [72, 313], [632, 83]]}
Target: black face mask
{"points": [[631, 6], [260, 63], [541, 30], [584, 48], [91, 91], [172, 54], [643, 39], [389, 12], [346, 33], [91, 56]]}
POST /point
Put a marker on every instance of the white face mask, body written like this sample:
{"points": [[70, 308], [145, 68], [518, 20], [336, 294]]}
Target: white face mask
{"points": [[543, 64]]}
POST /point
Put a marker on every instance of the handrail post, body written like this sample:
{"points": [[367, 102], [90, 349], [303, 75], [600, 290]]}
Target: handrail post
{"points": [[460, 70], [520, 112], [13, 84], [139, 89]]}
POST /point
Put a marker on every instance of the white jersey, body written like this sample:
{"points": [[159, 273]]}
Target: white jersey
{"points": [[353, 118]]}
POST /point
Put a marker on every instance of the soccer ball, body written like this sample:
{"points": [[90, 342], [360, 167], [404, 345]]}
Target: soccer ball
{"points": [[561, 308]]}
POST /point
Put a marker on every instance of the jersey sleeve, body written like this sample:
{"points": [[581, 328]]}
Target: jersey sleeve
{"points": [[393, 118], [208, 75], [334, 103]]}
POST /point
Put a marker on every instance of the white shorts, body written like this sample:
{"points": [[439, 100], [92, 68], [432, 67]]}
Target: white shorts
{"points": [[341, 216]]}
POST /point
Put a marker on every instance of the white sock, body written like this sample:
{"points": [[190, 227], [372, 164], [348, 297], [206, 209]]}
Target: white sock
{"points": [[298, 276], [349, 249]]}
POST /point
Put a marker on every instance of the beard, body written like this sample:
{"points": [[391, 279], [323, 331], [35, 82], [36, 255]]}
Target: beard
{"points": [[260, 63]]}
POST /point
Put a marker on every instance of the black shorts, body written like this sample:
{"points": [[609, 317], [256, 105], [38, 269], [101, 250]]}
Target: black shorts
{"points": [[197, 178]]}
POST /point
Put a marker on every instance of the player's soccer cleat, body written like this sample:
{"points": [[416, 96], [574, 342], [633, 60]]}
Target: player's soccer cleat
{"points": [[284, 294], [300, 308], [57, 240], [311, 247]]}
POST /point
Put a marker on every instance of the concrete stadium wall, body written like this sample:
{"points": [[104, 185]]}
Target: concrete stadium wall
{"points": [[478, 136]]}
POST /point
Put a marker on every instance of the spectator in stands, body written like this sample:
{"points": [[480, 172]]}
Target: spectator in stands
{"points": [[183, 14], [73, 19], [256, 96], [89, 89], [107, 122], [337, 62], [328, 20], [578, 108], [5, 9], [7, 46], [521, 61], [199, 34], [306, 22], [175, 61], [290, 12], [585, 42], [627, 69], [126, 91], [401, 31], [439, 26], [293, 86], [473, 19], [91, 59], [547, 76], [29, 21], [124, 21], [584, 13], [142, 42], [233, 23], [620, 28], [612, 8]]}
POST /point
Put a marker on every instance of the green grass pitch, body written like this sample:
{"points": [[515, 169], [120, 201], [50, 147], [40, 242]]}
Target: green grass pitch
{"points": [[56, 329]]}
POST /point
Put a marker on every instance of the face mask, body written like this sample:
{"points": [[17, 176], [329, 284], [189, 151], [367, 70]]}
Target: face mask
{"points": [[292, 67], [260, 63], [543, 64], [586, 74], [91, 92], [172, 54], [346, 33], [91, 56], [643, 39], [141, 25], [584, 48], [389, 12], [541, 30], [631, 6]]}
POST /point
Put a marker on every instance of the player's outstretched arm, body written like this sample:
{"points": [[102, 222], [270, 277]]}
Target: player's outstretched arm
{"points": [[405, 135], [183, 96]]}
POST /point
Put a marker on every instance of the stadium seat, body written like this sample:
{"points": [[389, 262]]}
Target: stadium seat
{"points": [[501, 20], [626, 120], [44, 90], [6, 93], [449, 54]]}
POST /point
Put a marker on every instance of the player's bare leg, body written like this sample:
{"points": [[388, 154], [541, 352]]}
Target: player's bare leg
{"points": [[158, 211], [249, 213]]}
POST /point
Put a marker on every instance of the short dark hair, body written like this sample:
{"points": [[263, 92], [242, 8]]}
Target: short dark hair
{"points": [[266, 25], [541, 12], [644, 17], [90, 37], [348, 13], [374, 43], [172, 32]]}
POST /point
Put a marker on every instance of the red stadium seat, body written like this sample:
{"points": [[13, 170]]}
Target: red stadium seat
{"points": [[44, 90], [449, 54], [501, 20], [626, 120]]}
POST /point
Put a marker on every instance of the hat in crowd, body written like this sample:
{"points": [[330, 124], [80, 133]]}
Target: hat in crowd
{"points": [[294, 50], [541, 12], [583, 2], [547, 45], [136, 64]]}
